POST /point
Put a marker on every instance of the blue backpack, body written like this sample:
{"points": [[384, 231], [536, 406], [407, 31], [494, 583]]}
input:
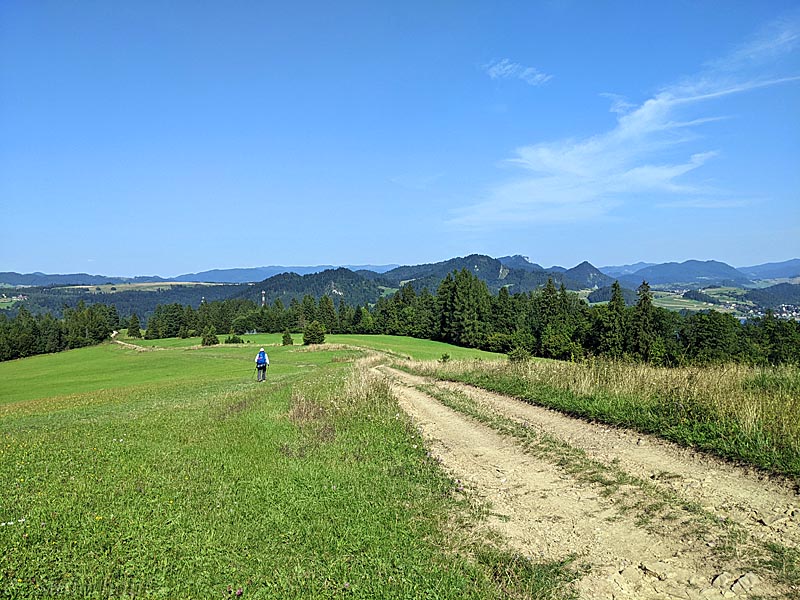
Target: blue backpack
{"points": [[262, 358]]}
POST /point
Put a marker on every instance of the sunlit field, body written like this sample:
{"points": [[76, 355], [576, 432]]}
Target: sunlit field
{"points": [[168, 472]]}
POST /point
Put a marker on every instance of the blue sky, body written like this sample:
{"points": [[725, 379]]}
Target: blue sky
{"points": [[141, 138]]}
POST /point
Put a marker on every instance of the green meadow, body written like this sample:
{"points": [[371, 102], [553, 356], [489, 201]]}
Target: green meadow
{"points": [[168, 472]]}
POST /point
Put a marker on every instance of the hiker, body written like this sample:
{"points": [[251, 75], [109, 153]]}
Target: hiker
{"points": [[262, 362]]}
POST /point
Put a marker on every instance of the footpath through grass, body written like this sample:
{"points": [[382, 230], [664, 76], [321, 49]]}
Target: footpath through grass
{"points": [[172, 474]]}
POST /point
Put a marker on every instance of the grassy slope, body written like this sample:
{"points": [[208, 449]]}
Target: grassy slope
{"points": [[411, 347], [171, 474]]}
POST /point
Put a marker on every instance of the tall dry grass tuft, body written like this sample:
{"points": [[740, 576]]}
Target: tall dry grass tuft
{"points": [[303, 410], [364, 386]]}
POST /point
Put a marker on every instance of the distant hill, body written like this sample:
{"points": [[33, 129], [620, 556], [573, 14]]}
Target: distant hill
{"points": [[520, 262], [430, 275], [779, 270], [245, 275], [254, 274], [619, 271], [586, 276], [692, 273], [360, 284], [497, 274], [340, 284], [143, 302], [43, 280], [774, 296], [233, 276], [604, 295]]}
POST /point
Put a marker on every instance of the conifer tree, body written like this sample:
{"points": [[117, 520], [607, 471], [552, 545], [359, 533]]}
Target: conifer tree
{"points": [[134, 328], [643, 330], [503, 312], [612, 337], [308, 310], [313, 333], [326, 314], [344, 318], [424, 325], [209, 337]]}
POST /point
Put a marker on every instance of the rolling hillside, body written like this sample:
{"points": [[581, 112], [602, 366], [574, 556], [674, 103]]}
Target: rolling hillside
{"points": [[786, 269], [690, 273]]}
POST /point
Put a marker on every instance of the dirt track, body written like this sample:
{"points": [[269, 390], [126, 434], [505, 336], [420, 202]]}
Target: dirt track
{"points": [[547, 512]]}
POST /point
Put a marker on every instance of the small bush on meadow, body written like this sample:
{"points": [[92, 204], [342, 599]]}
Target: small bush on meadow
{"points": [[519, 355], [314, 333], [210, 336], [233, 339]]}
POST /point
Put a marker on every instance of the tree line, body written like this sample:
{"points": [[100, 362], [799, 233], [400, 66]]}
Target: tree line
{"points": [[27, 335], [550, 322]]}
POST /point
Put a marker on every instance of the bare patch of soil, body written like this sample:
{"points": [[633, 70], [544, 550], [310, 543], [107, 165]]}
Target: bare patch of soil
{"points": [[137, 348]]}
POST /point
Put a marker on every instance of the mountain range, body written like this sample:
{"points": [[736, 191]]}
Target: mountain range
{"points": [[516, 272]]}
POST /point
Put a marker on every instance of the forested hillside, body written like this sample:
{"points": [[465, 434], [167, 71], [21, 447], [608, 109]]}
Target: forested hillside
{"points": [[604, 295], [56, 299], [549, 322], [342, 285], [515, 273], [774, 296], [690, 273]]}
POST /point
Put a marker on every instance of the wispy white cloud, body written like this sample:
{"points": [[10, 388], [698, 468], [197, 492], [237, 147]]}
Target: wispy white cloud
{"points": [[619, 104], [505, 69], [774, 40], [586, 178]]}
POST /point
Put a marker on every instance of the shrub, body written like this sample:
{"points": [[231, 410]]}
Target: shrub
{"points": [[210, 337], [519, 355], [233, 339], [287, 338], [314, 333]]}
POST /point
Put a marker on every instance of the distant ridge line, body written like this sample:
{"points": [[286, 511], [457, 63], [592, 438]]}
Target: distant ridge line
{"points": [[692, 272]]}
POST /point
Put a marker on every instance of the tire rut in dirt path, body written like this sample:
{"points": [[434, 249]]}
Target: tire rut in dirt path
{"points": [[768, 509], [545, 513]]}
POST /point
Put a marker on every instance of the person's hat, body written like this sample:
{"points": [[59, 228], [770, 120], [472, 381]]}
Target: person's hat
{"points": [[261, 350]]}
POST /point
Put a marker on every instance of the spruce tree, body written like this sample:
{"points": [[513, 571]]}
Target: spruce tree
{"points": [[308, 310], [313, 333], [502, 312], [209, 336], [327, 313], [424, 325], [134, 328], [612, 339], [643, 330]]}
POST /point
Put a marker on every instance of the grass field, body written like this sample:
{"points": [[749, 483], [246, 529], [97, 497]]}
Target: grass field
{"points": [[110, 288], [397, 346], [168, 472]]}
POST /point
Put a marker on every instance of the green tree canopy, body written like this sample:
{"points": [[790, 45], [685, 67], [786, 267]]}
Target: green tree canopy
{"points": [[313, 333]]}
